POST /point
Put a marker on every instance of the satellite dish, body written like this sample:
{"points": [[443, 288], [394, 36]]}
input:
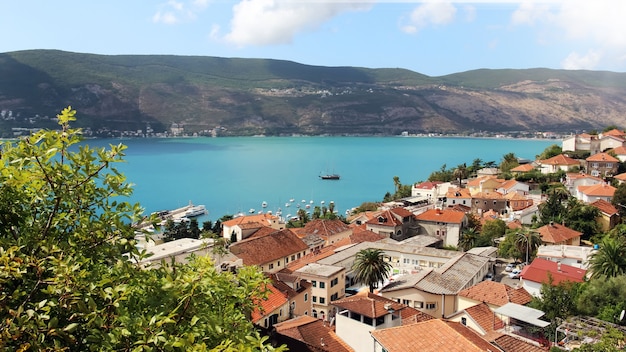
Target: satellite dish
{"points": [[621, 316]]}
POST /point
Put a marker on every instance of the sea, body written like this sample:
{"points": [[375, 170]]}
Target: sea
{"points": [[239, 175]]}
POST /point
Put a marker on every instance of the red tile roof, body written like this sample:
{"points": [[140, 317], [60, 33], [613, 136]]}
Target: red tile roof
{"points": [[620, 150], [360, 234], [605, 207], [324, 228], [497, 294], [485, 317], [556, 233], [599, 190], [441, 215], [509, 343], [539, 269], [614, 132], [311, 332], [602, 157], [431, 336], [259, 218], [621, 177], [275, 299], [385, 218], [427, 185], [261, 250], [523, 168], [560, 160], [369, 305]]}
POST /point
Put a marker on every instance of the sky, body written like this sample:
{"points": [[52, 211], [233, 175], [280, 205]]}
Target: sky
{"points": [[433, 37]]}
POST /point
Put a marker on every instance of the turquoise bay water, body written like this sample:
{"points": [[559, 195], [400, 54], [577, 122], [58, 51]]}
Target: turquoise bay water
{"points": [[235, 174]]}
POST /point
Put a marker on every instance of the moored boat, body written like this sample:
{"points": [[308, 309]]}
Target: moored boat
{"points": [[330, 177]]}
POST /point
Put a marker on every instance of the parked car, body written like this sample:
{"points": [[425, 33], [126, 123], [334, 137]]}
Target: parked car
{"points": [[515, 274], [489, 277], [509, 268]]}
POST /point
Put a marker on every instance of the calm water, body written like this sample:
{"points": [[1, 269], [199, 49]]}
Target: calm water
{"points": [[232, 175]]}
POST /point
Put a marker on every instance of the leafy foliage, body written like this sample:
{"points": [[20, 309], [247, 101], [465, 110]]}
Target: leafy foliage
{"points": [[65, 282], [610, 259], [370, 267]]}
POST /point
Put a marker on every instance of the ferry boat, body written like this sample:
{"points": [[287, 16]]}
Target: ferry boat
{"points": [[195, 210], [330, 177]]}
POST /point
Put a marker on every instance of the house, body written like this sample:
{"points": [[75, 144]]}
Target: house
{"points": [[434, 291], [395, 223], [516, 202], [590, 194], [457, 196], [429, 336], [610, 141], [575, 256], [308, 334], [483, 184], [609, 215], [356, 316], [271, 310], [621, 178], [557, 163], [575, 179], [557, 234], [271, 252], [513, 186], [493, 294], [620, 153], [328, 284], [601, 165], [297, 291], [330, 231], [487, 200], [488, 171], [443, 224], [244, 226], [428, 190], [582, 142], [541, 271], [479, 318], [522, 169]]}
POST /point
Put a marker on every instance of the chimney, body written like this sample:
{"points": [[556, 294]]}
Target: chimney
{"points": [[558, 266]]}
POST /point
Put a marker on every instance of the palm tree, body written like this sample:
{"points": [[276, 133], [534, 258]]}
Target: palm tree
{"points": [[527, 242], [460, 173], [370, 267], [468, 239], [610, 259]]}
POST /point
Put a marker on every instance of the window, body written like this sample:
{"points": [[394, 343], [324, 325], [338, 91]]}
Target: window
{"points": [[418, 304], [334, 282], [306, 297], [322, 300], [406, 260], [431, 305], [406, 301], [293, 257], [286, 260], [609, 164], [322, 284], [314, 299], [314, 283], [334, 296], [464, 321], [271, 266]]}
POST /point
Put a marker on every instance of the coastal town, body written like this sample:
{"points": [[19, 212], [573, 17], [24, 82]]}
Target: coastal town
{"points": [[439, 273]]}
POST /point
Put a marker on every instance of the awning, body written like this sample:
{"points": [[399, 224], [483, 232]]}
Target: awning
{"points": [[523, 313]]}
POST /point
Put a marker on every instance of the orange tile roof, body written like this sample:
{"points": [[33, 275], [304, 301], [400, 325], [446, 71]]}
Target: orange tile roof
{"points": [[369, 305], [360, 234], [557, 233], [485, 317], [488, 195], [260, 218], [523, 168], [621, 177], [262, 231], [614, 132], [441, 215], [324, 227], [605, 207], [431, 336], [389, 219], [602, 157], [538, 270], [458, 193], [412, 316], [599, 190], [508, 184], [427, 185], [311, 258], [496, 293], [512, 344], [275, 299], [578, 175], [312, 332], [560, 160], [621, 150], [475, 182], [261, 250]]}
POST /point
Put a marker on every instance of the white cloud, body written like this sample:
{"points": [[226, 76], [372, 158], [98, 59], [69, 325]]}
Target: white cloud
{"points": [[173, 12], [574, 61], [530, 13], [430, 13], [269, 22]]}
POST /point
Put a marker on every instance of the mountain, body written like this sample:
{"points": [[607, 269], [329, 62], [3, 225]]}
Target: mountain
{"points": [[274, 97]]}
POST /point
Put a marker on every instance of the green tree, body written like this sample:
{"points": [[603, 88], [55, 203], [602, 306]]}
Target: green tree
{"points": [[527, 242], [370, 267], [610, 259], [65, 284], [509, 161], [582, 217], [619, 200], [491, 230], [468, 239], [550, 151], [460, 173], [603, 299]]}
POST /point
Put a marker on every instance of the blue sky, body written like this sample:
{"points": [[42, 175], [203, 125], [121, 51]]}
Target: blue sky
{"points": [[431, 37]]}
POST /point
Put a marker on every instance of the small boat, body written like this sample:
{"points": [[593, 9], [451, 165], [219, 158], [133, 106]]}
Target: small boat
{"points": [[251, 211], [287, 205], [264, 204], [195, 210], [330, 177]]}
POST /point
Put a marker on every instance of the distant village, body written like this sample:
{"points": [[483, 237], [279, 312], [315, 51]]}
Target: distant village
{"points": [[474, 299]]}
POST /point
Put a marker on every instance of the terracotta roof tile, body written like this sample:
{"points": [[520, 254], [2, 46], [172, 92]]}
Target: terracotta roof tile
{"points": [[369, 305], [360, 234], [485, 317], [274, 300], [621, 150], [441, 215], [599, 190], [602, 157], [427, 185], [496, 293], [614, 132], [605, 207], [538, 271], [412, 316], [511, 344], [311, 332], [259, 218], [260, 250], [560, 160], [556, 233], [621, 177], [324, 227], [310, 258], [431, 336], [385, 218], [523, 168], [488, 195]]}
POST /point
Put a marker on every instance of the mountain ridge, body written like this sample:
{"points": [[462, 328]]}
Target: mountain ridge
{"points": [[278, 97]]}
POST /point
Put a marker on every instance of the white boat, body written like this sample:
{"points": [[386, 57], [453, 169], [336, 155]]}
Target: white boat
{"points": [[287, 204], [195, 210], [251, 211], [264, 204]]}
